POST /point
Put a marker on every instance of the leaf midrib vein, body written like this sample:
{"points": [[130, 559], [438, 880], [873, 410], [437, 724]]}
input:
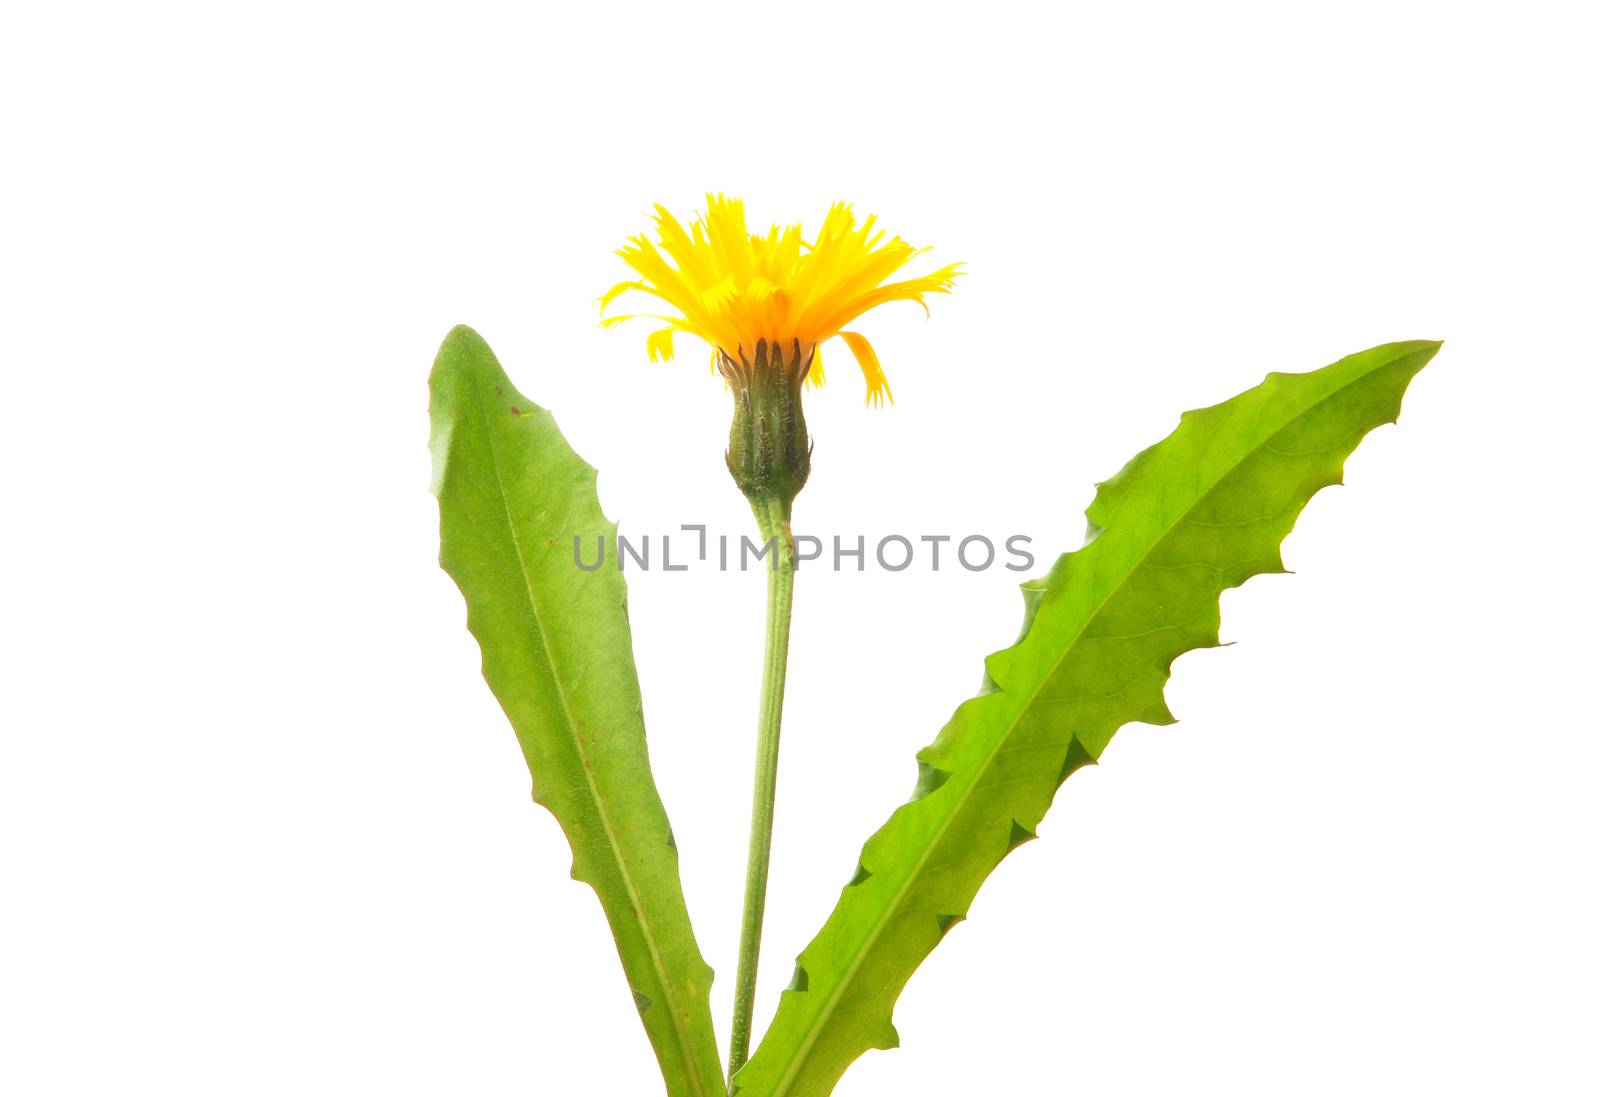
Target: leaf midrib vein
{"points": [[645, 924]]}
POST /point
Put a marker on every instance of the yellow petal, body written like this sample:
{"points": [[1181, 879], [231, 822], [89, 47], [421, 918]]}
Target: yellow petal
{"points": [[814, 375], [618, 290], [658, 344], [735, 288], [867, 359]]}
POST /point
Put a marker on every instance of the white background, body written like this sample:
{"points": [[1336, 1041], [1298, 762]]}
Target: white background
{"points": [[263, 829]]}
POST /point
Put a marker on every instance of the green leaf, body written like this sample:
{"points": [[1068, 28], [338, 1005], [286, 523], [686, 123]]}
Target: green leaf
{"points": [[1198, 513], [557, 653]]}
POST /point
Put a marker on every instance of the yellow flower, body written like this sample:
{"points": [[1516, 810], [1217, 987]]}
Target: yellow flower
{"points": [[737, 290]]}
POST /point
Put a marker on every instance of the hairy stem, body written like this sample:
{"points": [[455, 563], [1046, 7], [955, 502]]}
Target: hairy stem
{"points": [[773, 519]]}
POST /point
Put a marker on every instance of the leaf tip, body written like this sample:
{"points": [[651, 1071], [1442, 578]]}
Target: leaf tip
{"points": [[460, 346]]}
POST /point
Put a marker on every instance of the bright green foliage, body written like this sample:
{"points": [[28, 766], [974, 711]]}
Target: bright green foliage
{"points": [[558, 654], [1188, 518]]}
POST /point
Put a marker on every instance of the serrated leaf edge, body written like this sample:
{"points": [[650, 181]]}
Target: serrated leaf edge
{"points": [[1034, 591]]}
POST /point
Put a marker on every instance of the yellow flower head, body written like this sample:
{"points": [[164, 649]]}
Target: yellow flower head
{"points": [[736, 290]]}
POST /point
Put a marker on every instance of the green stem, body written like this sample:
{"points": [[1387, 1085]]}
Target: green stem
{"points": [[773, 519]]}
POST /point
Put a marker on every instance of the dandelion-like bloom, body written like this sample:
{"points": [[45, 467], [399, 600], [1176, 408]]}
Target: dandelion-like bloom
{"points": [[775, 296]]}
